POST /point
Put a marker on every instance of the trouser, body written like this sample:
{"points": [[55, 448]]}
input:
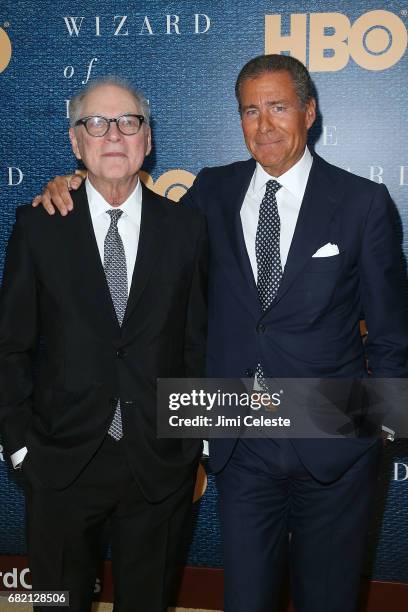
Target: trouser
{"points": [[65, 530], [265, 493]]}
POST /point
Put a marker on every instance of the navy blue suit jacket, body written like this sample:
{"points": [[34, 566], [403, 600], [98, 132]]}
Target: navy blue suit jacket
{"points": [[312, 327]]}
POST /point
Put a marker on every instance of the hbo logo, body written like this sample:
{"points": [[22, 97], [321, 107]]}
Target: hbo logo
{"points": [[376, 40]]}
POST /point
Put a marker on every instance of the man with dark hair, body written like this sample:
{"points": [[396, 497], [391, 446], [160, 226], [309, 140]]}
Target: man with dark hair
{"points": [[300, 250], [278, 63]]}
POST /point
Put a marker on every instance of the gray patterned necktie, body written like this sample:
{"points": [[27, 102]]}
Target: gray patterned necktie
{"points": [[114, 263], [267, 250]]}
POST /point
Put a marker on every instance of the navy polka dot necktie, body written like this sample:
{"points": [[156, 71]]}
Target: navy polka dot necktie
{"points": [[267, 246], [267, 250], [114, 263]]}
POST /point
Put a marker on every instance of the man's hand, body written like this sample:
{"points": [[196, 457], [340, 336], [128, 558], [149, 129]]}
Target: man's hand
{"points": [[56, 193]]}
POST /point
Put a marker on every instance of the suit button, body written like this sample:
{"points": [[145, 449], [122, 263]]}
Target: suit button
{"points": [[249, 373], [261, 328], [121, 353]]}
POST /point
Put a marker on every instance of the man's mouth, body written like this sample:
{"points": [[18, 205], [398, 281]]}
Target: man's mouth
{"points": [[268, 143]]}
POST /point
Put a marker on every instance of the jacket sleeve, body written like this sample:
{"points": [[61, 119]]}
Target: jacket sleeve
{"points": [[196, 324], [384, 293], [18, 338], [384, 290], [193, 197]]}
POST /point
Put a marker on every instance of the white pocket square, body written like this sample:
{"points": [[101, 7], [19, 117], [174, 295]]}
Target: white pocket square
{"points": [[327, 250]]}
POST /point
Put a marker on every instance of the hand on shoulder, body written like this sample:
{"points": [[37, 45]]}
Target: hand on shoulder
{"points": [[56, 193]]}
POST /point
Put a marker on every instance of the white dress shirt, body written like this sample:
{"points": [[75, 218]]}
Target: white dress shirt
{"points": [[128, 224], [129, 230], [289, 199]]}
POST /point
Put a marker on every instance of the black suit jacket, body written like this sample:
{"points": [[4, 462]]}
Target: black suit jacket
{"points": [[311, 329], [54, 289]]}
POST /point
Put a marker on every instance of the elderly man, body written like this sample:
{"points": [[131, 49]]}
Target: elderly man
{"points": [[301, 250], [117, 295]]}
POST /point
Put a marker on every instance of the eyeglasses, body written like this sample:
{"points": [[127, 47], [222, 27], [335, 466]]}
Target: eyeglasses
{"points": [[99, 126]]}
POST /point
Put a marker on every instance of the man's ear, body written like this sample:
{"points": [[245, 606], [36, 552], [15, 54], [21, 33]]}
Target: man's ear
{"points": [[310, 113], [148, 145], [74, 143]]}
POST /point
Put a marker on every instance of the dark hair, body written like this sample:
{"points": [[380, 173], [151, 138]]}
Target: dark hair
{"points": [[274, 63]]}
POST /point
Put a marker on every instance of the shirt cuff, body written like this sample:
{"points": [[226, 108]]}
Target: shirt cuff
{"points": [[390, 433], [17, 458]]}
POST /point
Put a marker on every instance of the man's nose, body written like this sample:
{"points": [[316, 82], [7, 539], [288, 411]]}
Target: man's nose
{"points": [[114, 133], [265, 121]]}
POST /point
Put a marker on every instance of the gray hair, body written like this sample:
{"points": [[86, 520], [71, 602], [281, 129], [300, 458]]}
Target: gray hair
{"points": [[76, 102], [274, 63]]}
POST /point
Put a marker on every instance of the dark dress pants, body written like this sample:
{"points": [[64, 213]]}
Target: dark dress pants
{"points": [[65, 535], [265, 493]]}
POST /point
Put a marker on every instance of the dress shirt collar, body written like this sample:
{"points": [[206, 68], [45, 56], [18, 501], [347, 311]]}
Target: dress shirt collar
{"points": [[294, 179], [98, 205]]}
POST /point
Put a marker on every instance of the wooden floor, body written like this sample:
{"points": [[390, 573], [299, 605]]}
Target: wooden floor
{"points": [[101, 607]]}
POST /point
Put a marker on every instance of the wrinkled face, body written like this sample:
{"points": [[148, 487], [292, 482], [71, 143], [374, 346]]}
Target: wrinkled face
{"points": [[273, 121], [112, 157]]}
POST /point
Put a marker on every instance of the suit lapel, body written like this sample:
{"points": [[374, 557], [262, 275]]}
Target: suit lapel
{"points": [[241, 271], [321, 198], [151, 240], [84, 266]]}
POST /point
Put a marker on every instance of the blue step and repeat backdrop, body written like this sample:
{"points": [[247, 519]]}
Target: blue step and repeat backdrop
{"points": [[186, 55]]}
